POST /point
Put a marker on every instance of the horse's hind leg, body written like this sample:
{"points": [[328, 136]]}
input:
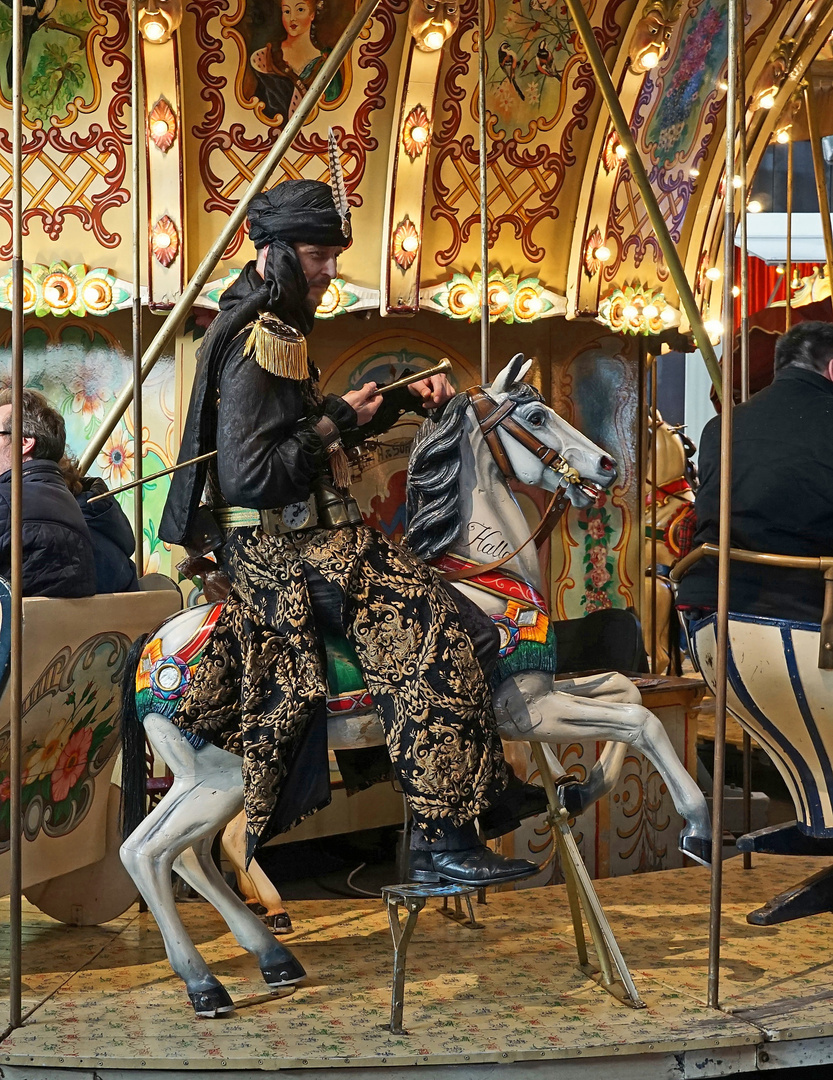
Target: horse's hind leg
{"points": [[253, 882], [277, 964]]}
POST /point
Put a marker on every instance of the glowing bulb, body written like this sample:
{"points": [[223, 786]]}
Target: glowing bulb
{"points": [[621, 152], [162, 240], [668, 315], [533, 303], [410, 243], [602, 253], [723, 85], [713, 273], [779, 269], [434, 40], [694, 172], [154, 29], [736, 290], [419, 134], [736, 182], [51, 295], [650, 311], [159, 128], [768, 100], [714, 328], [650, 59], [630, 312], [783, 136], [754, 207], [501, 297], [468, 298]]}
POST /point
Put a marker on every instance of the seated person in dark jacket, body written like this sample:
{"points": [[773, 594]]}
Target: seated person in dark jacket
{"points": [[110, 529], [782, 484], [57, 549]]}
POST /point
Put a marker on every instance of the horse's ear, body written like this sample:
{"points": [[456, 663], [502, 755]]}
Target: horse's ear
{"points": [[514, 372]]}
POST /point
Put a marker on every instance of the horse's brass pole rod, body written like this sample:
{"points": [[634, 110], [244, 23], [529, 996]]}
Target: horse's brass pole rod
{"points": [[137, 113], [822, 563], [16, 614], [724, 532], [653, 430], [640, 176], [485, 325], [788, 268], [178, 312], [443, 368], [818, 170]]}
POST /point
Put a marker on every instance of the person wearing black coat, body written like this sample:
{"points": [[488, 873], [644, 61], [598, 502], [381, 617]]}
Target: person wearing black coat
{"points": [[57, 548], [782, 485], [110, 530]]}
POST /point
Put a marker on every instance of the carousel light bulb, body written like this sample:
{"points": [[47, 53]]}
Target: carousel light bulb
{"points": [[668, 315], [162, 240], [779, 269], [754, 207], [650, 59], [630, 312], [468, 298], [650, 311], [694, 172], [736, 182], [533, 304], [736, 290], [153, 29], [92, 294], [714, 328], [723, 85], [713, 273], [602, 253], [782, 136], [620, 151], [768, 100], [419, 134], [51, 295], [159, 128], [410, 243], [433, 40], [501, 297]]}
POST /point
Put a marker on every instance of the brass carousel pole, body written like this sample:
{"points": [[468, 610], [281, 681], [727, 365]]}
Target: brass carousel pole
{"points": [[484, 196], [640, 177], [16, 438], [788, 268], [723, 562], [179, 311], [821, 182], [136, 132], [654, 433], [744, 346]]}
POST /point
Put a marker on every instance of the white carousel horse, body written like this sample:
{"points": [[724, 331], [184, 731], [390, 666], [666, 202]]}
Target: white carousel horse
{"points": [[463, 506], [675, 501]]}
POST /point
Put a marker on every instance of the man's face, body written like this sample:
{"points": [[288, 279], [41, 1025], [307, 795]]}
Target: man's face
{"points": [[6, 440], [319, 265]]}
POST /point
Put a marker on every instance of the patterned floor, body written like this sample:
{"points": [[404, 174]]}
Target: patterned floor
{"points": [[105, 997]]}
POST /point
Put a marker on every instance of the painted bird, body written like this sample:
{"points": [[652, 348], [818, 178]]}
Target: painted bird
{"points": [[509, 65], [35, 13], [545, 61]]}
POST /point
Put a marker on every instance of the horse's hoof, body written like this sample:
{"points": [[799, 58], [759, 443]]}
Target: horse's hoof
{"points": [[212, 1002], [280, 923], [286, 973], [697, 848]]}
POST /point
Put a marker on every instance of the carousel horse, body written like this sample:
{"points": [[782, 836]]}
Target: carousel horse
{"points": [[676, 485], [463, 513]]}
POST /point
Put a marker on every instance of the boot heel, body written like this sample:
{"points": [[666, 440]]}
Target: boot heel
{"points": [[428, 876]]}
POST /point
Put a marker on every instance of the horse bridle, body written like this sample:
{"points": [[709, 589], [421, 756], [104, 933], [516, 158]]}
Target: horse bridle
{"points": [[492, 416]]}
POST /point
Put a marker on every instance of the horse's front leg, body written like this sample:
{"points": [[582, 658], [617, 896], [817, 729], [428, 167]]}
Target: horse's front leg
{"points": [[528, 708]]}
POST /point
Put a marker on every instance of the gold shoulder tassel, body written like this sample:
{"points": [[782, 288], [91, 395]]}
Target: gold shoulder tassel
{"points": [[278, 348]]}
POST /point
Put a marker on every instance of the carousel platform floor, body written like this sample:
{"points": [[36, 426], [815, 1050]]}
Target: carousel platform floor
{"points": [[102, 1003]]}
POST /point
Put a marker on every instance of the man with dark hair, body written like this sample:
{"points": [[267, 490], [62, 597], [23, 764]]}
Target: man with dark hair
{"points": [[302, 563], [57, 549], [782, 484]]}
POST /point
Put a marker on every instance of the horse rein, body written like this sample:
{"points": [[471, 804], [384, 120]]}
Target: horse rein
{"points": [[490, 417]]}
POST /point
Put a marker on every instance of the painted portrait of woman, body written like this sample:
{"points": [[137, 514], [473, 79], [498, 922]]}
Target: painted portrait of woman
{"points": [[286, 64]]}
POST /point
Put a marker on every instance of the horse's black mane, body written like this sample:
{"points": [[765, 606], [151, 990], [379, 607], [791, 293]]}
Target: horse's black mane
{"points": [[433, 504]]}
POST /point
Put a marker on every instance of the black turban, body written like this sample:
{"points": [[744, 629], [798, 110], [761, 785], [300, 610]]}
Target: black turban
{"points": [[297, 211]]}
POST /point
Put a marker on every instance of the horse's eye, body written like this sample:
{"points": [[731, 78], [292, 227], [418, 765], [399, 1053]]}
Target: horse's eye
{"points": [[537, 419]]}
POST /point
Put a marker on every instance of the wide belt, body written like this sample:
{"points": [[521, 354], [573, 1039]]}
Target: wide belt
{"points": [[326, 508]]}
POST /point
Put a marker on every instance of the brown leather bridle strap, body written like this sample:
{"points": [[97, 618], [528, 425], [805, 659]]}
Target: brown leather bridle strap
{"points": [[489, 416], [554, 511]]}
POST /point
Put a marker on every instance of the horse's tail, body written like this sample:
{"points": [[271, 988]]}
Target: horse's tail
{"points": [[133, 787]]}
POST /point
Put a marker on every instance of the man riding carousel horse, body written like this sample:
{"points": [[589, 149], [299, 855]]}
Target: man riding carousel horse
{"points": [[301, 564]]}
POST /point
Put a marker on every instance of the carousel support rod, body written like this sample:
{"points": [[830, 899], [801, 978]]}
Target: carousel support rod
{"points": [[640, 176], [788, 268], [744, 344], [724, 564], [484, 195], [16, 614], [180, 310], [818, 170], [652, 360], [136, 133]]}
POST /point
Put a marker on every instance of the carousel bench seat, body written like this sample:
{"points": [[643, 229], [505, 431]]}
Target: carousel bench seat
{"points": [[73, 656]]}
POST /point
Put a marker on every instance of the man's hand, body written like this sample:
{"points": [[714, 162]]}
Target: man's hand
{"points": [[434, 391], [365, 401]]}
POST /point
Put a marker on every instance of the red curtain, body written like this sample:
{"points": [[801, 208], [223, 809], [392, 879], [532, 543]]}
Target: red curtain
{"points": [[762, 282]]}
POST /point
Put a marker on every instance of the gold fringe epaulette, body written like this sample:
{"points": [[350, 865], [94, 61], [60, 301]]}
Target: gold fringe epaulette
{"points": [[278, 347]]}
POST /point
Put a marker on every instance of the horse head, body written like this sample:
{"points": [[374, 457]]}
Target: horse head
{"points": [[575, 463]]}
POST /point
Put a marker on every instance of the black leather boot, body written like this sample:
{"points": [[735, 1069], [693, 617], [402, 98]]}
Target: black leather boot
{"points": [[478, 866]]}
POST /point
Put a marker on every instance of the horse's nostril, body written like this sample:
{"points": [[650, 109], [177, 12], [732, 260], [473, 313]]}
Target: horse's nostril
{"points": [[608, 465]]}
